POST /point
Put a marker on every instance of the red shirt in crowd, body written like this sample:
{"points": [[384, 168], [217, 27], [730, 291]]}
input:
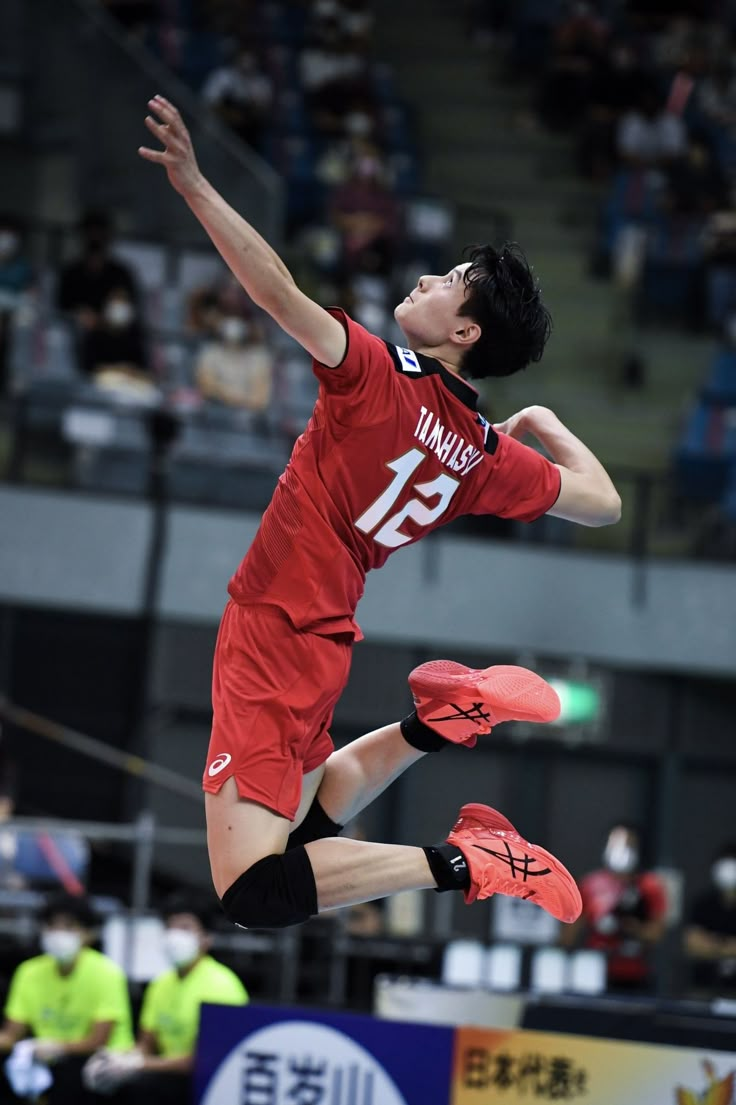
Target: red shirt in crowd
{"points": [[608, 898]]}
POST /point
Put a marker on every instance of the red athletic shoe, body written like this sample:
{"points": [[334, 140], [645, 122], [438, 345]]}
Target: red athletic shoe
{"points": [[460, 703], [502, 862]]}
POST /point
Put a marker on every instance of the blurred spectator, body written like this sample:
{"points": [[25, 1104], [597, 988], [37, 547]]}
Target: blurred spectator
{"points": [[578, 47], [716, 97], [720, 278], [222, 296], [241, 93], [236, 368], [649, 136], [159, 1071], [117, 342], [710, 937], [10, 877], [88, 284], [616, 84], [71, 1000], [697, 185], [333, 75], [367, 216], [16, 280], [354, 16], [623, 911]]}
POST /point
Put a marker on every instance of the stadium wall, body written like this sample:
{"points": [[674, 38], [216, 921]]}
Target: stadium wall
{"points": [[88, 553]]}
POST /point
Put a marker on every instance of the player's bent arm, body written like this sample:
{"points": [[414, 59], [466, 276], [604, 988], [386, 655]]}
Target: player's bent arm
{"points": [[586, 500], [587, 494], [148, 1042], [148, 1045], [11, 1033], [182, 1064], [96, 1038]]}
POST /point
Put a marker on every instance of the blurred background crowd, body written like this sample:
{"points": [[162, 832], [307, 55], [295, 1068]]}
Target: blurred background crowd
{"points": [[627, 117], [369, 142]]}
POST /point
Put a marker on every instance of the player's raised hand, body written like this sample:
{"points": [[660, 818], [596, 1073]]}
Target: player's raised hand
{"points": [[177, 156]]}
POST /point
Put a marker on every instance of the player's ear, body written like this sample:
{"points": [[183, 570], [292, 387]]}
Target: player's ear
{"points": [[468, 333]]}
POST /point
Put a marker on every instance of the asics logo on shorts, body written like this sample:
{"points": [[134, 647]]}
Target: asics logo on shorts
{"points": [[219, 763]]}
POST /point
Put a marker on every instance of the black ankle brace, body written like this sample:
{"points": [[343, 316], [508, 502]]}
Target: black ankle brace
{"points": [[420, 736], [448, 866]]}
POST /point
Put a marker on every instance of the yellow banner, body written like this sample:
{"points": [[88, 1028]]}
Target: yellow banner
{"points": [[498, 1067]]}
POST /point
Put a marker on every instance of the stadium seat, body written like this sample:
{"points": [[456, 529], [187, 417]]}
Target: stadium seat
{"points": [[464, 963]]}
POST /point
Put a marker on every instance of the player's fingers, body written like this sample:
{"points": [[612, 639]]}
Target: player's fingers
{"points": [[159, 129], [159, 156], [165, 110]]}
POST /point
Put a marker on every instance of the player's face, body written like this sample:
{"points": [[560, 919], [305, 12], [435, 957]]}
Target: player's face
{"points": [[429, 314]]}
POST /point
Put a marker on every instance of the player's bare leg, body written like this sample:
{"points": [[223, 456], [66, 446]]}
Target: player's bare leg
{"points": [[356, 774], [265, 880], [455, 704], [241, 832]]}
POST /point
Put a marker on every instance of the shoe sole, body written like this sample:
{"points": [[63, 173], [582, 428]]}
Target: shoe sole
{"points": [[516, 693], [491, 819]]}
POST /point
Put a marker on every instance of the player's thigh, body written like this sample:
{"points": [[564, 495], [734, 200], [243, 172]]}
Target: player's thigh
{"points": [[310, 785], [239, 833]]}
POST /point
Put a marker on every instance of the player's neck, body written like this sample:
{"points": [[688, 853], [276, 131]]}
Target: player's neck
{"points": [[440, 354]]}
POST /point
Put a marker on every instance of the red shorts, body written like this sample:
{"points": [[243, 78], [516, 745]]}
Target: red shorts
{"points": [[274, 690]]}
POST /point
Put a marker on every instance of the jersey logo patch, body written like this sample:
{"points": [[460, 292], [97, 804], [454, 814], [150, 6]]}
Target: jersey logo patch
{"points": [[408, 359]]}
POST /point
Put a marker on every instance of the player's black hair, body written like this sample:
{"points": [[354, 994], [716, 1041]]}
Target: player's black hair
{"points": [[69, 905], [504, 299], [194, 902]]}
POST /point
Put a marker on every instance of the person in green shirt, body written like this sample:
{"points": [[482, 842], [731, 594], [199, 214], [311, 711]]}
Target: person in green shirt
{"points": [[71, 999], [158, 1072]]}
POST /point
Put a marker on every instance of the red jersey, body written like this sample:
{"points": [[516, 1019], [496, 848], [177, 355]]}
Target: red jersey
{"points": [[394, 449]]}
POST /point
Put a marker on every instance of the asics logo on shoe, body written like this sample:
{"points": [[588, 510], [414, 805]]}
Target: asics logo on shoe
{"points": [[475, 713], [520, 868], [219, 764]]}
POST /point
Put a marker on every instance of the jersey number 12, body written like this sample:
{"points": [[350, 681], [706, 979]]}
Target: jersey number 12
{"points": [[375, 516]]}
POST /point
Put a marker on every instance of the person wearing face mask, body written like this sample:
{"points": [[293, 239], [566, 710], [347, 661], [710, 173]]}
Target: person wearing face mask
{"points": [[624, 910], [710, 937], [242, 94], [70, 1001], [367, 216], [159, 1071], [88, 283], [117, 343], [237, 368]]}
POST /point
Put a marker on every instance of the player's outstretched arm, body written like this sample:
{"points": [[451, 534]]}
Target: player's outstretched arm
{"points": [[587, 494], [259, 269]]}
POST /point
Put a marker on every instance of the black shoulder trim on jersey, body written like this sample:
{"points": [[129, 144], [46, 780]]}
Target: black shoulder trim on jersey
{"points": [[411, 364], [491, 437]]}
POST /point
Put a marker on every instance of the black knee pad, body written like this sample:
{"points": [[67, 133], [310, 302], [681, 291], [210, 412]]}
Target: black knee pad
{"points": [[315, 826], [273, 893]]}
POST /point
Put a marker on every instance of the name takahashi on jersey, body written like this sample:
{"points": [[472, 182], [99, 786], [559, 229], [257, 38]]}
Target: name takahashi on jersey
{"points": [[447, 445]]}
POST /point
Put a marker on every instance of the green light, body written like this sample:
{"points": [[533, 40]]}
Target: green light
{"points": [[581, 702]]}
